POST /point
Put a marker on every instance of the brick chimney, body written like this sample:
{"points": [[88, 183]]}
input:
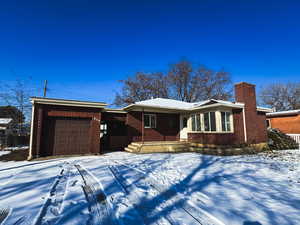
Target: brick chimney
{"points": [[245, 93]]}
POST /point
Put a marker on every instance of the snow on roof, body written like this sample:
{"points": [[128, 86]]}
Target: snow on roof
{"points": [[282, 113], [181, 105], [165, 103], [5, 121]]}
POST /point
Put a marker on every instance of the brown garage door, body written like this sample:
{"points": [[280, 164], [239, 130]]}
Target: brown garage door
{"points": [[67, 136]]}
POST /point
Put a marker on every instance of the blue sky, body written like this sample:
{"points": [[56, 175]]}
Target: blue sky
{"points": [[84, 47]]}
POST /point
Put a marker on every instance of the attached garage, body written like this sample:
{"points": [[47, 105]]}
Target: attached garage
{"points": [[65, 127], [65, 136]]}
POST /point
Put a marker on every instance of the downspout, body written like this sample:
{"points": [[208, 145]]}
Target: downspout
{"points": [[31, 132], [143, 127], [245, 128]]}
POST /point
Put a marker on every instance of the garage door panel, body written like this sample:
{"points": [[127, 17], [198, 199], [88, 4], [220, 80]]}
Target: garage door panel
{"points": [[70, 136]]}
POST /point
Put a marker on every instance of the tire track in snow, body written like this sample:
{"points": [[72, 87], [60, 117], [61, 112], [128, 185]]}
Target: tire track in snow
{"points": [[176, 215], [201, 216], [98, 206], [50, 211], [134, 197]]}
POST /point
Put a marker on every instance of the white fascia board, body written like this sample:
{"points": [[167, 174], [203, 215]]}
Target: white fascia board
{"points": [[138, 106], [114, 110], [239, 106], [284, 113], [64, 102], [128, 106], [263, 109]]}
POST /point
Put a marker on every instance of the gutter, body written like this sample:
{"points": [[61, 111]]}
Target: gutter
{"points": [[283, 113]]}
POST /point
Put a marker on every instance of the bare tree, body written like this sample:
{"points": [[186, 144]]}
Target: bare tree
{"points": [[198, 84], [214, 84], [281, 96], [182, 82], [142, 86], [17, 94]]}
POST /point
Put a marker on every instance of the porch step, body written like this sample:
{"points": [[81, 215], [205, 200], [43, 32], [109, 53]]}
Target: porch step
{"points": [[129, 149], [158, 146], [136, 144], [132, 148]]}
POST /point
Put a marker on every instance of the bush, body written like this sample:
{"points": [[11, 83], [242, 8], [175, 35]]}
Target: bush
{"points": [[280, 141]]}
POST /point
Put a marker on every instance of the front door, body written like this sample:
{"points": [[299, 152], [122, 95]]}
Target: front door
{"points": [[183, 127]]}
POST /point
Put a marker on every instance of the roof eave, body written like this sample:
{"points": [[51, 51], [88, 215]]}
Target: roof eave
{"points": [[65, 102], [114, 110], [274, 114], [266, 110], [139, 106], [218, 105]]}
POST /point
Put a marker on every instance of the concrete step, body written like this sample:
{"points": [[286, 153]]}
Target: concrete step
{"points": [[138, 144], [133, 146], [158, 146], [159, 143], [130, 149]]}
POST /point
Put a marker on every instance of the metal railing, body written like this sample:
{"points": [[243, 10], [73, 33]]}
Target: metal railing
{"points": [[296, 137]]}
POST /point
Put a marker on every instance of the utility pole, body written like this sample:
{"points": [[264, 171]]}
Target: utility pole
{"points": [[45, 88]]}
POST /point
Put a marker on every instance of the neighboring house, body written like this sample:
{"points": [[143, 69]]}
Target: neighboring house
{"points": [[5, 130], [286, 121], [63, 127]]}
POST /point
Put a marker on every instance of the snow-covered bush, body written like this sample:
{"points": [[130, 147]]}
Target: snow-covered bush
{"points": [[280, 141]]}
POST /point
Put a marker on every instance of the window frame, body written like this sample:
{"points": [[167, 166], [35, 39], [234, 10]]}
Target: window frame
{"points": [[195, 117], [226, 122], [209, 121], [150, 121], [218, 121]]}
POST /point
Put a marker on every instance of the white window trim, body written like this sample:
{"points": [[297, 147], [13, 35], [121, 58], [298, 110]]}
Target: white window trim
{"points": [[150, 115], [196, 125], [218, 122], [230, 121]]}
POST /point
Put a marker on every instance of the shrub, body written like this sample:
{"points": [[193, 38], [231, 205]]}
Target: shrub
{"points": [[280, 141]]}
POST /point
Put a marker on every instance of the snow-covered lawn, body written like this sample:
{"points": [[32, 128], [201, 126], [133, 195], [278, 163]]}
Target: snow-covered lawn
{"points": [[124, 188]]}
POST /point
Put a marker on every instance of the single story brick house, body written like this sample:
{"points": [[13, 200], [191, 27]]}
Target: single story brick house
{"points": [[64, 127]]}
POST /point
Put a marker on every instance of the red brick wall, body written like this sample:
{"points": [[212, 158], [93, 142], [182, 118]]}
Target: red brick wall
{"points": [[42, 112], [255, 126], [213, 138], [36, 133], [238, 124], [165, 129], [109, 116], [287, 124], [261, 127]]}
